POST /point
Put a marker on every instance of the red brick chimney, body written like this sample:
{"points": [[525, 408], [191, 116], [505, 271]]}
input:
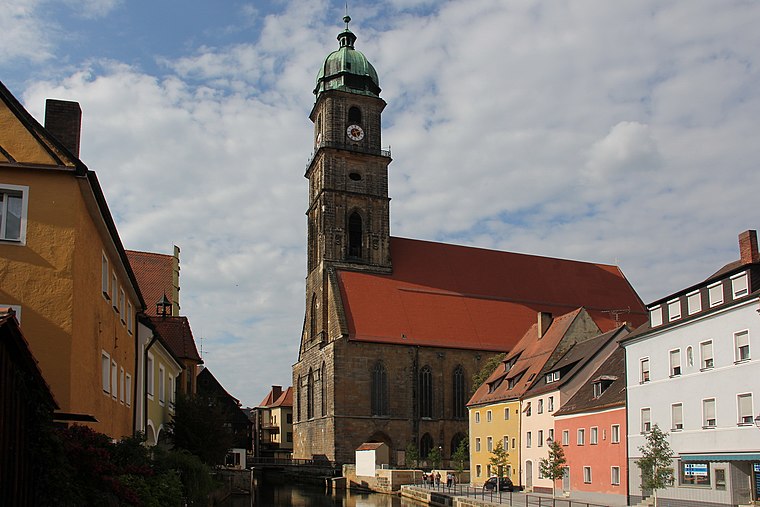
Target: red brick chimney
{"points": [[748, 247], [63, 119], [276, 393]]}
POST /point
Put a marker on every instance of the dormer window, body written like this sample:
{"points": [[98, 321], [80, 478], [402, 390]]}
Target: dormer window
{"points": [[739, 285], [552, 377], [694, 302], [602, 383], [655, 316], [715, 293], [674, 309]]}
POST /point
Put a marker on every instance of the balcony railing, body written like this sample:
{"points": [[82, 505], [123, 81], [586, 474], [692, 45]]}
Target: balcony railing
{"points": [[383, 152]]}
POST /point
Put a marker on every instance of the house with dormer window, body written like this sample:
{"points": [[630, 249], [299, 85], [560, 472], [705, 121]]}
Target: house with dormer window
{"points": [[693, 370]]}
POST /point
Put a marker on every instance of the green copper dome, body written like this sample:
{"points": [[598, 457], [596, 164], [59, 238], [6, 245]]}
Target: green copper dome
{"points": [[347, 69]]}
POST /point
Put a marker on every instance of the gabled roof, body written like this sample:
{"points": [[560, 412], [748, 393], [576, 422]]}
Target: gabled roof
{"points": [[155, 274], [531, 354], [613, 372], [177, 336], [443, 295], [575, 359]]}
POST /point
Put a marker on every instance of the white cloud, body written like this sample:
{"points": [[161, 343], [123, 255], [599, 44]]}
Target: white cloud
{"points": [[25, 35]]}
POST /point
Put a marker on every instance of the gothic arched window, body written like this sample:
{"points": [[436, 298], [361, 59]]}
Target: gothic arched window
{"points": [[323, 385], [457, 439], [298, 399], [355, 235], [313, 318], [460, 400], [426, 445], [310, 395], [426, 392], [379, 390], [354, 115]]}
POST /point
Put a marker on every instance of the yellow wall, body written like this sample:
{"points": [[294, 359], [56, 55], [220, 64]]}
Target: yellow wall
{"points": [[497, 429], [159, 414], [279, 417], [56, 279]]}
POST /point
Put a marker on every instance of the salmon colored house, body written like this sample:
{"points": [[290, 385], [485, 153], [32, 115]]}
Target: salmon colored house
{"points": [[63, 267]]}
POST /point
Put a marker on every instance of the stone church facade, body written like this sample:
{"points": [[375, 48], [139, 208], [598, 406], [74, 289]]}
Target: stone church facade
{"points": [[395, 328]]}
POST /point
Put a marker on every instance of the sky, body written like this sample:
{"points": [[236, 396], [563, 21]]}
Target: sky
{"points": [[611, 132]]}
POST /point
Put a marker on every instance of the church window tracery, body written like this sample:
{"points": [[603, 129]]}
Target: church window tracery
{"points": [[379, 389], [460, 399], [426, 392], [310, 395]]}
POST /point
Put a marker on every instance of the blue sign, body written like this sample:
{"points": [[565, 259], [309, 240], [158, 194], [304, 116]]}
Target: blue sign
{"points": [[698, 469], [757, 467]]}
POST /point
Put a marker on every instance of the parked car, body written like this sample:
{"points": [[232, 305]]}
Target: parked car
{"points": [[505, 484]]}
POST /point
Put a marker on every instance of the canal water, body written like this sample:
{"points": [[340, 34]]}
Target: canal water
{"points": [[271, 492]]}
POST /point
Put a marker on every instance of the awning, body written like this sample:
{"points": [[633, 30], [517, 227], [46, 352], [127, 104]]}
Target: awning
{"points": [[734, 456]]}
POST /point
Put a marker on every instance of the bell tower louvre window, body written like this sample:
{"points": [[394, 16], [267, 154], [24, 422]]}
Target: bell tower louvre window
{"points": [[355, 236], [354, 115]]}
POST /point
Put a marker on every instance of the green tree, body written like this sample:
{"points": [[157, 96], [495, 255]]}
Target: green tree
{"points": [[412, 456], [499, 460], [434, 457], [485, 371], [655, 462], [553, 466], [460, 457], [199, 427]]}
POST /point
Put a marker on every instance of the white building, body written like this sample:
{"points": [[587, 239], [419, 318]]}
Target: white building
{"points": [[694, 370]]}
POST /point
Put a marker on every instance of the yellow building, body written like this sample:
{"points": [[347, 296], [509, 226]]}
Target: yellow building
{"points": [[490, 424], [64, 269]]}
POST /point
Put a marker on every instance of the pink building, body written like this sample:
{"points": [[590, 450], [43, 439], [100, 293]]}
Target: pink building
{"points": [[591, 427]]}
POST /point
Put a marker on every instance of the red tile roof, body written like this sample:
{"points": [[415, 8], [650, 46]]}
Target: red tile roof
{"points": [[154, 274], [178, 336], [285, 399], [453, 296]]}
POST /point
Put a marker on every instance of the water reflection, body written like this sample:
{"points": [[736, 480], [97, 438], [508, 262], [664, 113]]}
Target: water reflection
{"points": [[274, 492]]}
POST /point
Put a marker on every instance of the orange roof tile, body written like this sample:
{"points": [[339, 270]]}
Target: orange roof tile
{"points": [[285, 399], [443, 295], [178, 336], [154, 273]]}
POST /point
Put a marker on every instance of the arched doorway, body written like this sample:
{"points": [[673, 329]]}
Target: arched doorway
{"points": [[528, 475]]}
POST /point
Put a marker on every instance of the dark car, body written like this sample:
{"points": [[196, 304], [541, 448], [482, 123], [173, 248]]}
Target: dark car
{"points": [[505, 484]]}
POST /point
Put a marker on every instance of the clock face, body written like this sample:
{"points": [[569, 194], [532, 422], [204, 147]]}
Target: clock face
{"points": [[355, 132]]}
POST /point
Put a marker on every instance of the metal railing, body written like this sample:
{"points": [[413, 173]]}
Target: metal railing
{"points": [[512, 498]]}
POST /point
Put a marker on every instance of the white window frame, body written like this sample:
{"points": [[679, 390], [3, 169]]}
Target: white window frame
{"points": [[615, 476], [150, 367], [706, 361], [745, 417], [122, 388], [489, 444], [128, 381], [715, 293], [674, 309], [587, 475], [505, 442], [540, 437], [615, 434], [529, 440], [122, 298], [114, 379], [741, 343], [550, 403], [161, 385], [655, 316], [694, 302], [646, 419], [6, 190], [674, 359], [105, 276], [489, 416], [707, 421], [130, 318], [506, 414], [477, 444], [676, 417], [580, 437], [644, 372], [552, 377], [477, 417], [105, 371], [739, 285], [114, 293], [565, 437], [593, 435]]}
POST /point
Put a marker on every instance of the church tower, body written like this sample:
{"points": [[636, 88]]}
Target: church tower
{"points": [[349, 208]]}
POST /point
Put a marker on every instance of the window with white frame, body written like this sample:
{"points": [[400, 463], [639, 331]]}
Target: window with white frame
{"points": [[489, 444], [114, 292], [593, 436], [581, 437], [161, 384], [690, 356], [540, 438], [565, 437], [529, 439], [615, 476], [128, 396], [551, 436], [477, 444], [615, 434], [105, 276], [646, 420], [675, 362], [644, 370], [488, 416], [674, 309], [708, 413], [105, 361], [114, 379], [550, 404], [739, 285], [552, 377], [121, 305], [505, 442], [676, 417], [477, 417], [706, 355], [14, 203], [587, 475], [151, 376], [693, 302], [655, 316], [478, 470], [506, 414], [130, 318], [540, 407], [741, 346], [744, 402], [122, 387], [715, 294]]}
